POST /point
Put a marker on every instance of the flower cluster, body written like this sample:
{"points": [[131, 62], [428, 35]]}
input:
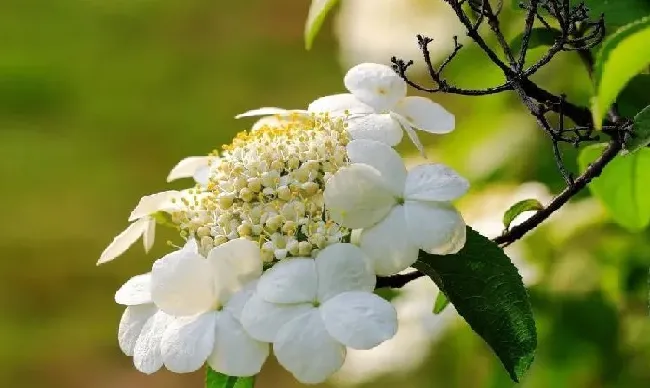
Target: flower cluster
{"points": [[269, 257]]}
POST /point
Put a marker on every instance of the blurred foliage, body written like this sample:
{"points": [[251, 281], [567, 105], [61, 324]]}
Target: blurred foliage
{"points": [[98, 99]]}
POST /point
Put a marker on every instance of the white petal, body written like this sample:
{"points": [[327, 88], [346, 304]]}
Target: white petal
{"points": [[146, 354], [136, 290], [408, 128], [123, 241], [234, 264], [131, 324], [149, 234], [376, 85], [379, 127], [307, 350], [235, 352], [238, 300], [357, 197], [289, 281], [188, 166], [262, 319], [182, 284], [188, 341], [360, 320], [339, 104], [383, 158], [455, 244], [343, 267], [425, 114], [434, 182], [202, 175], [269, 111], [433, 226], [150, 204], [388, 244]]}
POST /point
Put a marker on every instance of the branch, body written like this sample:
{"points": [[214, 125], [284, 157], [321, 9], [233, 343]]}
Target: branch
{"points": [[594, 170], [397, 281]]}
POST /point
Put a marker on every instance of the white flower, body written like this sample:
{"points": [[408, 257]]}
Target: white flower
{"points": [[311, 309], [206, 296], [197, 167], [379, 109], [401, 211], [142, 324], [144, 225]]}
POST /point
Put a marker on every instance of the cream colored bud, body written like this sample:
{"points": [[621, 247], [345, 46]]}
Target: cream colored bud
{"points": [[246, 194], [319, 240], [268, 191], [284, 193], [257, 229], [203, 231], [289, 227], [293, 248], [293, 163], [226, 200], [207, 243], [218, 240], [280, 254], [277, 165], [304, 248], [310, 188], [244, 230], [240, 183], [255, 184]]}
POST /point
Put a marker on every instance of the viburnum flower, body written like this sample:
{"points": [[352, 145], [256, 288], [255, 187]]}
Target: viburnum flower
{"points": [[376, 108], [311, 309], [142, 324], [378, 105], [143, 224], [401, 212], [196, 167], [206, 296]]}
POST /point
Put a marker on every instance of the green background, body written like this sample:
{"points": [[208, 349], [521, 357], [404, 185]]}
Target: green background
{"points": [[99, 99]]}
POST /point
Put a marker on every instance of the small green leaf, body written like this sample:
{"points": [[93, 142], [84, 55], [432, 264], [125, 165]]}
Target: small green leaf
{"points": [[317, 13], [487, 291], [623, 186], [623, 55], [441, 303], [518, 208], [540, 36], [214, 379], [640, 136]]}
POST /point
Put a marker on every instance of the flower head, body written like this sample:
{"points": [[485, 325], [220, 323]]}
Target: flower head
{"points": [[311, 309], [401, 212], [206, 296]]}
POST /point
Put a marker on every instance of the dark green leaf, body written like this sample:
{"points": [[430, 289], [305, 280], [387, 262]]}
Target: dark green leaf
{"points": [[215, 379], [640, 136], [487, 291], [441, 303], [635, 96], [518, 208], [623, 55], [623, 186], [540, 36], [317, 13], [617, 12]]}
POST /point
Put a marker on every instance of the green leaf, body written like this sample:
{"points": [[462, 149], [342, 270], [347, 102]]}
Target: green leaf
{"points": [[617, 12], [518, 208], [640, 136], [317, 13], [487, 291], [623, 187], [540, 36], [635, 96], [441, 303], [214, 379], [623, 55]]}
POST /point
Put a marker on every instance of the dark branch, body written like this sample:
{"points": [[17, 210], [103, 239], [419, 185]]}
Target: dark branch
{"points": [[397, 281]]}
